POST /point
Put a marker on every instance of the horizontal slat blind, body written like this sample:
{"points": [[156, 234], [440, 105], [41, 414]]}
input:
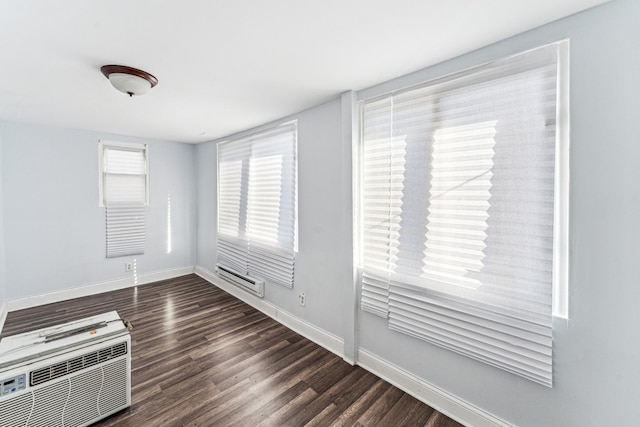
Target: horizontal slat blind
{"points": [[375, 295], [124, 170], [257, 204], [125, 229], [457, 208]]}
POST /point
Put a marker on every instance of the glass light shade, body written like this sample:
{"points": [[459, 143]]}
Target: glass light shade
{"points": [[129, 84]]}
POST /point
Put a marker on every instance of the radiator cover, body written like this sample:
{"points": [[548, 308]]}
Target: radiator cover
{"points": [[73, 381], [248, 283]]}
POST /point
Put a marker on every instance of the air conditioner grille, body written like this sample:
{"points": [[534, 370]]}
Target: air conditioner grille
{"points": [[59, 370], [48, 373], [83, 398], [114, 392], [15, 412], [90, 359], [48, 406]]}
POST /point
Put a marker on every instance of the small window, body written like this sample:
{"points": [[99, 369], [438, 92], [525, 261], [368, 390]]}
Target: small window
{"points": [[124, 192], [123, 173]]}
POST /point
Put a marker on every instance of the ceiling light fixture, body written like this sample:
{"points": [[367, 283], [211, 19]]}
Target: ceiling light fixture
{"points": [[129, 80]]}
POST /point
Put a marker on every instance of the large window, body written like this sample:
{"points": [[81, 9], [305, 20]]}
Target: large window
{"points": [[257, 204], [124, 192], [461, 202]]}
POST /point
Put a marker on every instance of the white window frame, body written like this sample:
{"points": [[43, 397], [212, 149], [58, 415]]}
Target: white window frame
{"points": [[235, 252], [560, 303], [125, 219], [560, 280], [102, 145]]}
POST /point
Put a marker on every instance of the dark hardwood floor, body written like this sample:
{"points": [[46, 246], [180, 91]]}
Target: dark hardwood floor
{"points": [[201, 357]]}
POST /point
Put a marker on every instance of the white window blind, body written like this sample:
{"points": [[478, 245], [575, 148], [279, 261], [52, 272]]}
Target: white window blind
{"points": [[257, 199], [124, 193], [457, 211]]}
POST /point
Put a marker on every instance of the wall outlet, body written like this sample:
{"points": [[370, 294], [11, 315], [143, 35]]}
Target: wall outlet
{"points": [[302, 299], [128, 266]]}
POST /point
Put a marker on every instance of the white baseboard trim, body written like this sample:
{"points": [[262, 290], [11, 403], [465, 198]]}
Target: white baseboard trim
{"points": [[97, 288], [443, 401], [317, 335], [3, 314]]}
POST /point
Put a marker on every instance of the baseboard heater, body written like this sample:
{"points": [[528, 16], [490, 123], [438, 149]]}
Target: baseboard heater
{"points": [[69, 375], [249, 284]]}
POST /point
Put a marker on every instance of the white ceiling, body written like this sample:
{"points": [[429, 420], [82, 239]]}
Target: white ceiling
{"points": [[224, 66]]}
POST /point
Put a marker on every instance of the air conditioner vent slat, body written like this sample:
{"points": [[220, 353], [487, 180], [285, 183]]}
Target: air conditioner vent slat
{"points": [[48, 373], [90, 359], [74, 365], [119, 350], [59, 370]]}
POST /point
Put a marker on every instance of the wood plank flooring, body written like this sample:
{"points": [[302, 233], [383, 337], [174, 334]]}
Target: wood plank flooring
{"points": [[201, 357]]}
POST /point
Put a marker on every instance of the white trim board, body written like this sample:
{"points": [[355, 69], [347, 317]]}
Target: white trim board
{"points": [[440, 400], [444, 402], [448, 404], [319, 336], [97, 288]]}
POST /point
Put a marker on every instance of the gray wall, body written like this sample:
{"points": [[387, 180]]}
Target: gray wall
{"points": [[2, 262], [323, 264], [596, 352], [54, 230]]}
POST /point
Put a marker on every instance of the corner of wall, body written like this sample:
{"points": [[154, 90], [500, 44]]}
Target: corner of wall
{"points": [[319, 336]]}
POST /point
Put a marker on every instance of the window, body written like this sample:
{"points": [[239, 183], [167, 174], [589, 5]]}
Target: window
{"points": [[257, 204], [461, 204], [124, 192]]}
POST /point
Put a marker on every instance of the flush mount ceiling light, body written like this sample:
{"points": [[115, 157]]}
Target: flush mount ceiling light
{"points": [[129, 80]]}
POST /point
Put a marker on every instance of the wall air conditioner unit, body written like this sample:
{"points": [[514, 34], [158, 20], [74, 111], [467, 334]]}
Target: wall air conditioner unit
{"points": [[249, 284], [68, 375]]}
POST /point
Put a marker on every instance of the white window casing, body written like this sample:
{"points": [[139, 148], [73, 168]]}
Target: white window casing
{"points": [[463, 209], [124, 192], [257, 204]]}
